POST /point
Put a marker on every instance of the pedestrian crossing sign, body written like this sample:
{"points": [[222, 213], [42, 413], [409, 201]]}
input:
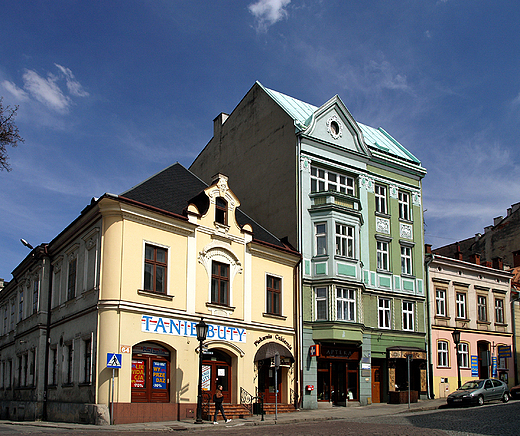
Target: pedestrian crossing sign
{"points": [[113, 360]]}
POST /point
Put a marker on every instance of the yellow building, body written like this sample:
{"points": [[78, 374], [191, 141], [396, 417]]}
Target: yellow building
{"points": [[132, 276]]}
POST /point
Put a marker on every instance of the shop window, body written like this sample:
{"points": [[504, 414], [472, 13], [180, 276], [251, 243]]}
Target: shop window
{"points": [[274, 294], [220, 283], [150, 377], [155, 269]]}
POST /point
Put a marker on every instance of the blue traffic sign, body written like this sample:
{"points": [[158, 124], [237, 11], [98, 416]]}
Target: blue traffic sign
{"points": [[114, 360]]}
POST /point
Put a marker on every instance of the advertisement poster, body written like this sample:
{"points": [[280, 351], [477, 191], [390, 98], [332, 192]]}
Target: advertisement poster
{"points": [[206, 377], [138, 373], [159, 375], [494, 366], [474, 366]]}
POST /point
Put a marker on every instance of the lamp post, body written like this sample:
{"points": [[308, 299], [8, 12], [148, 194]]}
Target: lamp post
{"points": [[202, 331], [456, 338]]}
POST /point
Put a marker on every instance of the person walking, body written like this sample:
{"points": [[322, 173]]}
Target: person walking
{"points": [[218, 398]]}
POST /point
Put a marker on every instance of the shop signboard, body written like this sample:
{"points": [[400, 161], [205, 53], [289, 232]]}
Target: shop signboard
{"points": [[206, 377]]}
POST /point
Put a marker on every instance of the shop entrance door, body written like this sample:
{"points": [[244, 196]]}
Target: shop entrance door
{"points": [[338, 381], [150, 381], [266, 381], [376, 384], [216, 370]]}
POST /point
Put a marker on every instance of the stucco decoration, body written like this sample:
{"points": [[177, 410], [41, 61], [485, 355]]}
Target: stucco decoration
{"points": [[367, 182], [382, 225], [221, 189], [416, 198], [393, 191], [305, 164], [405, 230], [335, 127]]}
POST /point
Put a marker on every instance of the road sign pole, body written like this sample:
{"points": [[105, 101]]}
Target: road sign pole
{"points": [[112, 405]]}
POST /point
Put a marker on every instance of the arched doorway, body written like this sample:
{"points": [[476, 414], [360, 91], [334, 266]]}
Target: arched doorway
{"points": [[217, 370], [150, 373], [484, 359], [267, 378]]}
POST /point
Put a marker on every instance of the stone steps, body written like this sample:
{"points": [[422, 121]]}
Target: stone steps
{"points": [[237, 411]]}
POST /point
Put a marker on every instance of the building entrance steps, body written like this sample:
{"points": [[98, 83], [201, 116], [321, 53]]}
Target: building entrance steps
{"points": [[237, 411]]}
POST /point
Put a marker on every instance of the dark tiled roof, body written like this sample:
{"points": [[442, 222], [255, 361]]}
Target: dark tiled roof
{"points": [[172, 189]]}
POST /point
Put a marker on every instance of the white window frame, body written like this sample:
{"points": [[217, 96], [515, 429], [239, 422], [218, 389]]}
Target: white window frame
{"points": [[404, 206], [345, 304], [381, 201], [321, 296], [440, 302], [408, 316], [443, 354], [383, 310], [20, 305], [464, 354], [482, 308], [406, 260], [325, 180], [383, 250], [345, 241], [461, 305], [320, 238], [499, 311]]}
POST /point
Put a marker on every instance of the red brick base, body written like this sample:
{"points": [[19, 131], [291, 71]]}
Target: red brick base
{"points": [[128, 413]]}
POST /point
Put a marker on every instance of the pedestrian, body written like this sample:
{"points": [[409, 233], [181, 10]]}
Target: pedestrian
{"points": [[217, 399]]}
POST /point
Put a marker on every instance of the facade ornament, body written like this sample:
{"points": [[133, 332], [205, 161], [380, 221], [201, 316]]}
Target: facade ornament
{"points": [[393, 191], [405, 230], [416, 198], [335, 127], [382, 225], [367, 182]]}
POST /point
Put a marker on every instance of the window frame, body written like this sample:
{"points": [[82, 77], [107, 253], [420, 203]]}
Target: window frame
{"points": [[20, 305], [273, 294], [347, 303], [461, 304], [443, 357], [464, 355], [499, 319], [35, 295], [383, 255], [408, 316], [323, 299], [221, 211], [384, 313], [72, 275], [405, 212], [155, 265], [345, 246], [482, 315], [220, 279], [320, 236], [321, 181], [381, 199], [406, 260], [442, 301]]}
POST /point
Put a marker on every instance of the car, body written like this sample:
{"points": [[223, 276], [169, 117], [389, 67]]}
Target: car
{"points": [[478, 392], [514, 392]]}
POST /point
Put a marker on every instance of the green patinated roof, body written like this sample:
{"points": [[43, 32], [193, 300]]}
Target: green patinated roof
{"points": [[377, 139]]}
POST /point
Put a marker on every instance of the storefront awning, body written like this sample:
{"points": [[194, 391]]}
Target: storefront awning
{"points": [[267, 351]]}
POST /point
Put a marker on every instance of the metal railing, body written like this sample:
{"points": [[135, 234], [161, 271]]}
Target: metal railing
{"points": [[206, 399], [248, 401]]}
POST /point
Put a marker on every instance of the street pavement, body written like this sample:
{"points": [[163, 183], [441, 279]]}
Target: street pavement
{"points": [[300, 416]]}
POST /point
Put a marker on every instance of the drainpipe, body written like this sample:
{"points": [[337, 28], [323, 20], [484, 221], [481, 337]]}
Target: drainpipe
{"points": [[513, 321], [299, 334], [428, 260], [47, 338]]}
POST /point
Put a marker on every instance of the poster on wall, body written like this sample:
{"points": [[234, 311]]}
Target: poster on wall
{"points": [[159, 375], [474, 366], [494, 366], [206, 377], [137, 373]]}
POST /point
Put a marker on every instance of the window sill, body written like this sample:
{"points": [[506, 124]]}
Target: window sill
{"points": [[483, 322], [405, 220], [274, 316], [52, 387], [81, 385], [383, 271], [340, 257], [67, 385], [408, 276], [447, 318], [155, 295], [462, 319], [500, 324], [220, 306], [321, 257], [383, 215]]}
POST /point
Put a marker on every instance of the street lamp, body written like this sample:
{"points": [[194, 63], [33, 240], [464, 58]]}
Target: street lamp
{"points": [[202, 331], [456, 338]]}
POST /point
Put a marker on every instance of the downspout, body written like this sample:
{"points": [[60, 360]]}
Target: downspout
{"points": [[47, 339], [299, 335], [428, 260], [513, 321]]}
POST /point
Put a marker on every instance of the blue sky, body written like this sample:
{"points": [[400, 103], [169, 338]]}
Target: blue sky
{"points": [[111, 92]]}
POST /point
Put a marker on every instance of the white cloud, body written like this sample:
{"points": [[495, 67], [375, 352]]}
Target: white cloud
{"points": [[46, 91], [18, 93], [268, 12], [73, 85], [516, 100]]}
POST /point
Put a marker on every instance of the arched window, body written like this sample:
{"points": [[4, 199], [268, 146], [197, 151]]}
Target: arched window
{"points": [[221, 211]]}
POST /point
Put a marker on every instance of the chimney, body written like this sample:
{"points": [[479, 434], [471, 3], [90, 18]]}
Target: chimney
{"points": [[475, 258], [488, 264], [515, 207], [497, 219], [477, 236], [488, 229], [428, 248], [509, 211], [458, 253], [217, 124], [498, 263]]}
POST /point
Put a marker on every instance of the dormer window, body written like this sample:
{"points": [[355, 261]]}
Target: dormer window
{"points": [[221, 211]]}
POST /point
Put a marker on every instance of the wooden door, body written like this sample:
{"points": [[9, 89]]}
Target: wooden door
{"points": [[219, 374], [376, 384], [150, 379], [266, 382]]}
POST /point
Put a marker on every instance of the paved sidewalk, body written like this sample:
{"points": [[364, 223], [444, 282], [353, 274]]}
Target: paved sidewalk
{"points": [[350, 413]]}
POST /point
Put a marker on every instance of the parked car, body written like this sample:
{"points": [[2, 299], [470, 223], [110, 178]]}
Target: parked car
{"points": [[479, 391], [514, 392]]}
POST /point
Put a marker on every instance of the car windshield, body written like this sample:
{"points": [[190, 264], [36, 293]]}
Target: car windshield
{"points": [[472, 385]]}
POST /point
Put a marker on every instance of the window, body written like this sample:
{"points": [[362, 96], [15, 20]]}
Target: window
{"points": [[87, 360], [461, 305], [482, 308], [464, 355], [221, 211], [321, 239], [20, 307], [442, 354], [155, 268], [440, 302], [71, 285], [5, 319], [408, 312], [321, 304], [382, 255], [220, 283], [273, 295], [36, 288], [384, 313], [323, 180], [381, 205], [406, 260], [13, 303], [499, 311], [344, 240], [404, 206], [346, 304], [53, 366], [69, 363]]}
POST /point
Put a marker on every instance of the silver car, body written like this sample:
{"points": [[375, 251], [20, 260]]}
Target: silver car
{"points": [[479, 391]]}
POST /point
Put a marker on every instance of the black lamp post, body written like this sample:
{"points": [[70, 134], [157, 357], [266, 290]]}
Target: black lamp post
{"points": [[456, 338], [202, 331]]}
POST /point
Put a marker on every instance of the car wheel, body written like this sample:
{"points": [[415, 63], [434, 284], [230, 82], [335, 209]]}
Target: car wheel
{"points": [[505, 398], [480, 400]]}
